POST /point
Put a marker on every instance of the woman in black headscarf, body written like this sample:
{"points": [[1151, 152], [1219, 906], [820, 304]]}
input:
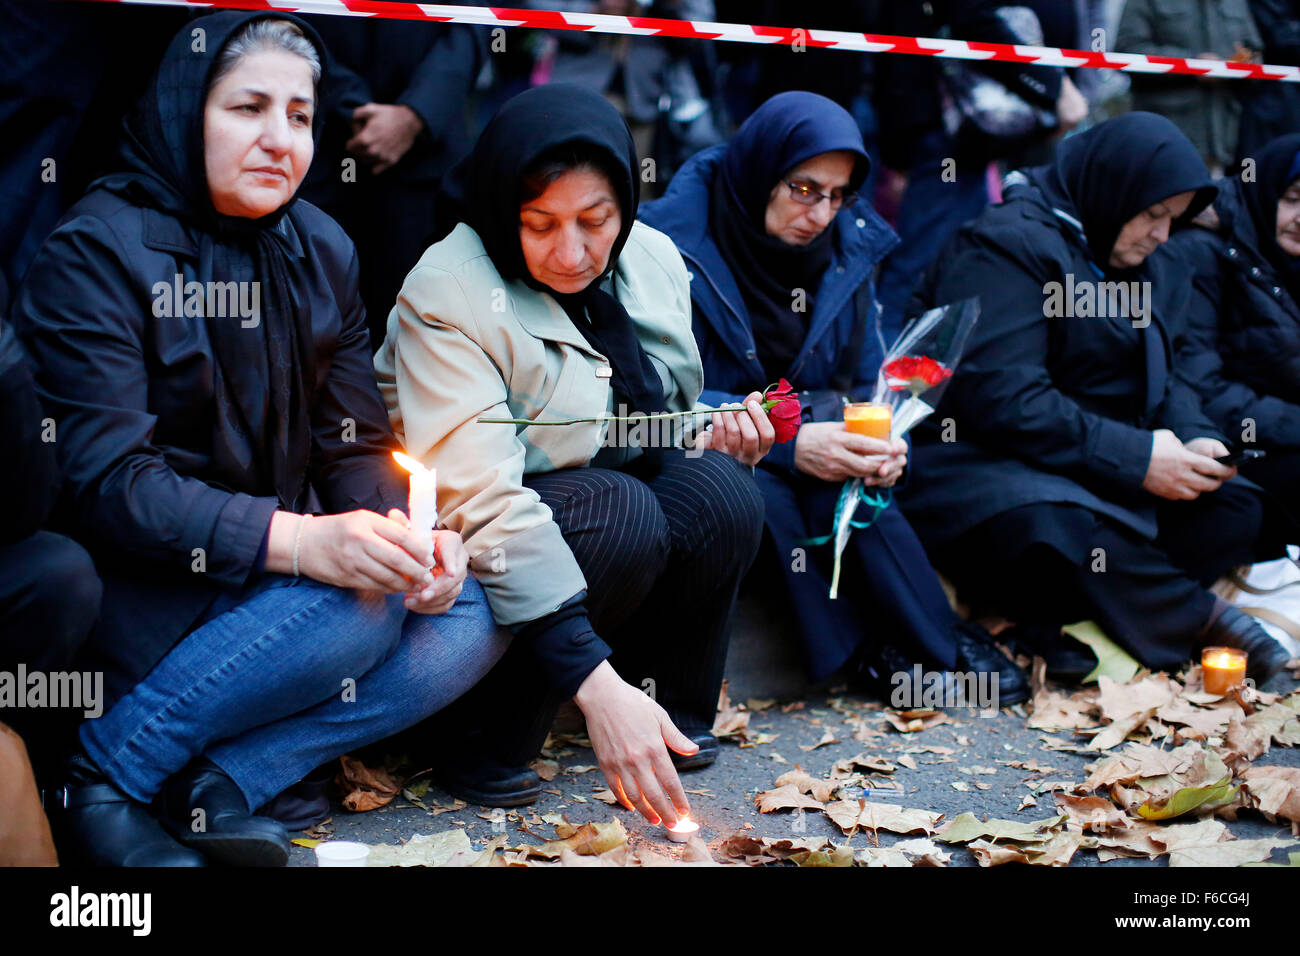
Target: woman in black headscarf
{"points": [[546, 300], [1243, 344], [1082, 481], [782, 255], [202, 348]]}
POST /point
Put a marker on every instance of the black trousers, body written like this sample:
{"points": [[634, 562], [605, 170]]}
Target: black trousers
{"points": [[663, 552], [1055, 563], [49, 600]]}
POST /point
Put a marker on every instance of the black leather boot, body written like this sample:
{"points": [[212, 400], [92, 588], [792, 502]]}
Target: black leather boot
{"points": [[702, 758], [96, 824], [1234, 628], [1068, 660], [977, 653], [204, 809], [489, 783]]}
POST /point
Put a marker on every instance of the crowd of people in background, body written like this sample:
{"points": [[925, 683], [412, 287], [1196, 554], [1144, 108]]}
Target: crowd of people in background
{"points": [[445, 223]]}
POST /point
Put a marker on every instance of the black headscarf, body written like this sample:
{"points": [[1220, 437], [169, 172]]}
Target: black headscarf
{"points": [[1108, 174], [483, 190], [782, 133], [263, 375], [1275, 170]]}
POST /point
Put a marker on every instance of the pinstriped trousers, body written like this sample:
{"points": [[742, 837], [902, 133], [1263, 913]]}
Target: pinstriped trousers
{"points": [[663, 550]]}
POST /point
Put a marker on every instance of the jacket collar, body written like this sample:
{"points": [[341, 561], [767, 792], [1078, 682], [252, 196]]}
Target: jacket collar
{"points": [[166, 233]]}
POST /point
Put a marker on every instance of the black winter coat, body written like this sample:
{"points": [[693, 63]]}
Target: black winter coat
{"points": [[132, 394], [1043, 409], [1243, 346]]}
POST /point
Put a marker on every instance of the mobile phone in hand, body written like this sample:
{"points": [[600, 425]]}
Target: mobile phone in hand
{"points": [[1241, 456]]}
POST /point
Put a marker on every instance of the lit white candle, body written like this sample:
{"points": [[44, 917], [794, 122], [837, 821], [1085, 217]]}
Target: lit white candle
{"points": [[423, 500]]}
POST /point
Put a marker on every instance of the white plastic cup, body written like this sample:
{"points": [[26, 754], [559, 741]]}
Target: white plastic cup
{"points": [[341, 853]]}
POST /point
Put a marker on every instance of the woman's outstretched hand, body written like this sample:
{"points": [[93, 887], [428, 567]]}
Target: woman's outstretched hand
{"points": [[746, 435], [631, 735]]}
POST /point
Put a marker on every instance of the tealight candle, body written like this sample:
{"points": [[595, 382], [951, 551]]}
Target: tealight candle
{"points": [[341, 853], [422, 502], [683, 830], [1222, 669], [869, 418]]}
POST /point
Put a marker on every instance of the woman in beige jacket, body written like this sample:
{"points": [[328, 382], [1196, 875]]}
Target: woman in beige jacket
{"points": [[547, 300]]}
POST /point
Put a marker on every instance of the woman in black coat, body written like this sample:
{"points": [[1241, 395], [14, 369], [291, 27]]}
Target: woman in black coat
{"points": [[202, 348], [1242, 349], [1068, 473]]}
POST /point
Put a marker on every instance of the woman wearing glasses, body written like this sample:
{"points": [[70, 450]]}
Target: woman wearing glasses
{"points": [[781, 253]]}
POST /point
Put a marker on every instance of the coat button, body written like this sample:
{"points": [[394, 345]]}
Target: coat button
{"points": [[1255, 272], [1277, 290], [1232, 253], [751, 354], [690, 276], [862, 223], [667, 340]]}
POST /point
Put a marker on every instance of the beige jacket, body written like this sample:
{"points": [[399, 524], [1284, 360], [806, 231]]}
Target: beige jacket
{"points": [[462, 343]]}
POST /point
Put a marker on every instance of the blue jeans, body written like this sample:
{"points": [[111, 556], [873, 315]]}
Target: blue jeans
{"points": [[293, 675]]}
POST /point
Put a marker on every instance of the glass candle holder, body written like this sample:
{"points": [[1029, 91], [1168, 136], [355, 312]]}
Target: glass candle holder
{"points": [[1222, 669], [872, 419]]}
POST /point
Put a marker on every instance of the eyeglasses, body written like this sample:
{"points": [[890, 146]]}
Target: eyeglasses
{"points": [[807, 196]]}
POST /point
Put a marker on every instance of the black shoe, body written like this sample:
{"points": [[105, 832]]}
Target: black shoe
{"points": [[1235, 628], [703, 757], [1068, 661], [488, 783], [204, 809], [96, 824], [303, 805], [976, 653], [885, 672]]}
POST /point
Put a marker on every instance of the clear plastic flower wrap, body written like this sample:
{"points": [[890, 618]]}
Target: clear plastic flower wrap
{"points": [[918, 367], [912, 379]]}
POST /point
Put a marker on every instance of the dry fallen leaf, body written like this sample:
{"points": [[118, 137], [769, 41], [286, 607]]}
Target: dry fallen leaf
{"points": [[786, 797], [730, 721], [365, 788], [1274, 791], [828, 738], [1233, 853], [546, 769], [590, 839], [849, 815], [804, 782]]}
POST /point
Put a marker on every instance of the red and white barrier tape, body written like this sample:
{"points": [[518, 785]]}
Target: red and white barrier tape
{"points": [[746, 33]]}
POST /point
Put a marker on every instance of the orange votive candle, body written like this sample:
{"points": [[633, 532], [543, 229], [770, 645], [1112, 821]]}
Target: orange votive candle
{"points": [[869, 418], [1222, 669]]}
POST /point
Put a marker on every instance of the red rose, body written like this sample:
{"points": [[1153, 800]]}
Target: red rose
{"points": [[916, 373], [783, 410]]}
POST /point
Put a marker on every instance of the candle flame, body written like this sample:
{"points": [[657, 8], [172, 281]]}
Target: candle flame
{"points": [[684, 824], [409, 463]]}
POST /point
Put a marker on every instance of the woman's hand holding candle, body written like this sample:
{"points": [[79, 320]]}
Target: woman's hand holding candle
{"points": [[357, 549], [829, 451], [442, 583], [631, 735]]}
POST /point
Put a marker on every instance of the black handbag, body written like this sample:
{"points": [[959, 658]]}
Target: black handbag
{"points": [[982, 115]]}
